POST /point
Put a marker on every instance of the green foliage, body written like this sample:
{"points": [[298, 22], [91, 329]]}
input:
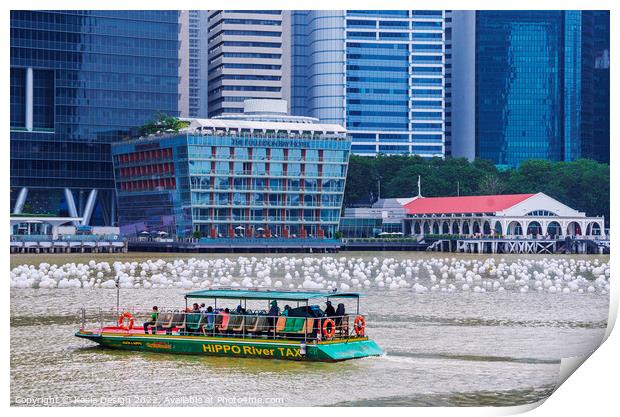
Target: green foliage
{"points": [[162, 123], [196, 234], [583, 184]]}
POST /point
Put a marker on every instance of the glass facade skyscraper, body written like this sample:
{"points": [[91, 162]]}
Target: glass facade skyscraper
{"points": [[378, 72], [532, 75], [595, 80], [519, 86], [81, 80]]}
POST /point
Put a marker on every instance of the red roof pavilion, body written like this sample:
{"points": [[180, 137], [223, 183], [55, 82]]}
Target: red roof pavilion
{"points": [[465, 204]]}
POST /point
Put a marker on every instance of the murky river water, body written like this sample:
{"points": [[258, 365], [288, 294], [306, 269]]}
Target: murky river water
{"points": [[441, 349]]}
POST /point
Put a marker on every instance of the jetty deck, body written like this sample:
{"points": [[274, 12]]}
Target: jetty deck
{"points": [[525, 245]]}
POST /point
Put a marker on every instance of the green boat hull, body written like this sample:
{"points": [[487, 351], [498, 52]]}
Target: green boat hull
{"points": [[325, 351]]}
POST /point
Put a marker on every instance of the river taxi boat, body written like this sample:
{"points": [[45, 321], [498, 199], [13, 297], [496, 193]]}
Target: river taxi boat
{"points": [[305, 333]]}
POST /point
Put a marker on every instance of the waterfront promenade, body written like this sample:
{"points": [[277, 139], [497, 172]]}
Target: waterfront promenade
{"points": [[459, 244], [67, 244]]}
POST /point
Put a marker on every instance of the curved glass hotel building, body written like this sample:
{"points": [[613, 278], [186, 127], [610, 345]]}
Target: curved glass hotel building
{"points": [[258, 174], [379, 73]]}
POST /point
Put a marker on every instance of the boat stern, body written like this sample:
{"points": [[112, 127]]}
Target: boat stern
{"points": [[352, 349]]}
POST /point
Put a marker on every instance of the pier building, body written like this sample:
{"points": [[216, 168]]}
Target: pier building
{"points": [[513, 215], [514, 223]]}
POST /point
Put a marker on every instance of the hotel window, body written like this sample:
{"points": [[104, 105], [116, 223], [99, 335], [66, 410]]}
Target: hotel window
{"points": [[276, 169], [294, 169], [221, 183], [222, 152], [241, 153], [239, 199], [293, 184], [294, 155], [222, 168], [259, 154], [277, 154], [312, 155], [258, 168], [312, 170]]}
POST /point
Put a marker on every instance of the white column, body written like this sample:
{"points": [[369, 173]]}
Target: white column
{"points": [[55, 230], [90, 205], [71, 204], [29, 99], [113, 209], [21, 200]]}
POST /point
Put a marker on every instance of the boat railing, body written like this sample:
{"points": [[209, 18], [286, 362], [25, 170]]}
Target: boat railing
{"points": [[256, 324]]}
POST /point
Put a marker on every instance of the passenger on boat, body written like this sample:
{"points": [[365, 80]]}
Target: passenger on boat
{"points": [[286, 311], [203, 308], [225, 318], [195, 308], [240, 310], [339, 316], [340, 310], [210, 316], [329, 310], [273, 313], [151, 322]]}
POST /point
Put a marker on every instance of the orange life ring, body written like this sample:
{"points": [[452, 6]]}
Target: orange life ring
{"points": [[332, 330], [359, 325], [121, 321]]}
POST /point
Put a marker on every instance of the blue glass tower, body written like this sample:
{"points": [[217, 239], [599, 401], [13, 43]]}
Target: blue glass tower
{"points": [[536, 92], [81, 80], [595, 82], [378, 72]]}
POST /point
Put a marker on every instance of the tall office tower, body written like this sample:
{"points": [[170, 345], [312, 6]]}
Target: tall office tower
{"points": [[81, 80], [198, 63], [184, 59], [248, 54], [193, 88], [378, 72], [448, 82], [596, 104], [523, 85]]}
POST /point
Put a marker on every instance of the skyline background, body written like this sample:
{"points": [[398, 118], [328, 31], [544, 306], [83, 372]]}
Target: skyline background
{"points": [[503, 86]]}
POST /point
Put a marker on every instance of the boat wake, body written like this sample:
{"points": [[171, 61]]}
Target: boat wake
{"points": [[413, 357]]}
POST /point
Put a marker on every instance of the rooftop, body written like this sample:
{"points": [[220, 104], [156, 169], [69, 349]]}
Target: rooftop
{"points": [[251, 125], [269, 294], [262, 116], [465, 204], [395, 203]]}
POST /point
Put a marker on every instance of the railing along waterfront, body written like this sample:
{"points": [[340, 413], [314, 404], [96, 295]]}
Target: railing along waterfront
{"points": [[65, 238], [293, 240], [511, 237], [254, 324]]}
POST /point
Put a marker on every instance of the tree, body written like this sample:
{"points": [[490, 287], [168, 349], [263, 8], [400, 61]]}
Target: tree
{"points": [[583, 184], [162, 123], [360, 178], [491, 185]]}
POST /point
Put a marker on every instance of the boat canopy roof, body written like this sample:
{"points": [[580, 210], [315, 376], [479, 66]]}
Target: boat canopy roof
{"points": [[269, 295]]}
